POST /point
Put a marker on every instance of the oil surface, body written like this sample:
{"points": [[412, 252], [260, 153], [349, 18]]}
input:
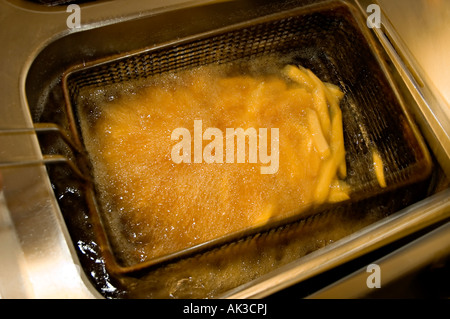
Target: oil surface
{"points": [[155, 206]]}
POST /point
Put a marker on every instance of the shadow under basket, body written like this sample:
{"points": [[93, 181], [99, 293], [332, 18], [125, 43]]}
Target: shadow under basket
{"points": [[331, 40]]}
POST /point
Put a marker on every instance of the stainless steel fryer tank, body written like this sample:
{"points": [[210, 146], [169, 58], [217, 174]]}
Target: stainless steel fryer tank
{"points": [[407, 220]]}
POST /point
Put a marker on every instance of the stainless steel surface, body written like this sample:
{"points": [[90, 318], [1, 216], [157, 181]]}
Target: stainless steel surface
{"points": [[38, 259], [431, 248], [405, 222], [424, 26]]}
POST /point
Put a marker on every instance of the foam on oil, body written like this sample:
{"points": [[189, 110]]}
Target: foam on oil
{"points": [[154, 206]]}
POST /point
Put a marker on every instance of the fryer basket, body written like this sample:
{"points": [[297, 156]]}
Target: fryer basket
{"points": [[328, 39]]}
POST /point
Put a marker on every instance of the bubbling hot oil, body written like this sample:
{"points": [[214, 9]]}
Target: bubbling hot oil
{"points": [[156, 207]]}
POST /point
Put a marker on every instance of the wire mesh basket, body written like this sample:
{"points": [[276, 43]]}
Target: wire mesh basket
{"points": [[327, 38]]}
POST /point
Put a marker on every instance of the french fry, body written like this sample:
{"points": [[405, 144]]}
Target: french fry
{"points": [[342, 168], [325, 125], [298, 76], [334, 95], [326, 176], [336, 162], [265, 215], [334, 91], [378, 166], [321, 105], [338, 191], [316, 131], [337, 142]]}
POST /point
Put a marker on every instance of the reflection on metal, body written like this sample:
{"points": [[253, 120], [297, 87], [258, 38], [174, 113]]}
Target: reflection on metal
{"points": [[424, 26], [403, 223], [411, 258]]}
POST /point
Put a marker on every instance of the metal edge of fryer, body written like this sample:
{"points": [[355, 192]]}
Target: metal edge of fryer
{"points": [[402, 223]]}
